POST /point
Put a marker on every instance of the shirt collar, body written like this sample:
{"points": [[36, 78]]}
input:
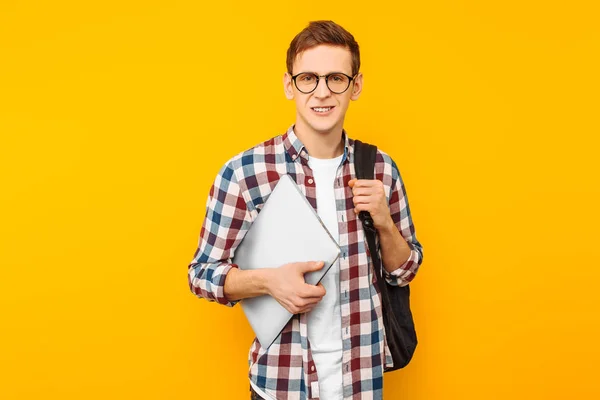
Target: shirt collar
{"points": [[296, 149]]}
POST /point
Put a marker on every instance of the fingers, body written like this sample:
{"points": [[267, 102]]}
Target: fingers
{"points": [[313, 291], [301, 305], [367, 198], [363, 191], [307, 310], [304, 302], [309, 306], [310, 296], [310, 266], [294, 294], [364, 183], [308, 302], [363, 204], [371, 192], [362, 199], [375, 190], [322, 288]]}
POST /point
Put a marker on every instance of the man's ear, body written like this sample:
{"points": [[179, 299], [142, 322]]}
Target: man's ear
{"points": [[287, 86], [357, 87]]}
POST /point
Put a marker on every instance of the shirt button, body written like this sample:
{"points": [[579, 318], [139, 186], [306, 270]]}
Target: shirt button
{"points": [[294, 156], [312, 369], [310, 181]]}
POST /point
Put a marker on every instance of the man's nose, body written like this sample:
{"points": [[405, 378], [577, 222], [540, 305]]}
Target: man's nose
{"points": [[322, 90]]}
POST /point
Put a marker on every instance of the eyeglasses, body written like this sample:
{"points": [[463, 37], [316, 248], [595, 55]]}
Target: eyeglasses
{"points": [[337, 82]]}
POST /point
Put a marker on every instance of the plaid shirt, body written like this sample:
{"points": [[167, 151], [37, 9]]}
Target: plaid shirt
{"points": [[286, 369]]}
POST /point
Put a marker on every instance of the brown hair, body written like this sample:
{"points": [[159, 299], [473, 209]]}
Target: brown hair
{"points": [[323, 32]]}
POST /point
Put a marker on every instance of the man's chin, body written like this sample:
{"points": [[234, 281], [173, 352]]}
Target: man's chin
{"points": [[319, 125], [323, 128]]}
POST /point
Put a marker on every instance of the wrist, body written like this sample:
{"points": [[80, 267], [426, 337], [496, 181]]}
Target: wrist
{"points": [[388, 226], [263, 280]]}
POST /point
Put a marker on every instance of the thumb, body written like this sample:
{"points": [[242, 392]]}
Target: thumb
{"points": [[312, 266]]}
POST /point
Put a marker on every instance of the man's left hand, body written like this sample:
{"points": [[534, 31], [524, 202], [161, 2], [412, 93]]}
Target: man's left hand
{"points": [[369, 195]]}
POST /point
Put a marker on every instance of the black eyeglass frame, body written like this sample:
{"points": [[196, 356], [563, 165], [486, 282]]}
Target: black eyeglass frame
{"points": [[350, 79]]}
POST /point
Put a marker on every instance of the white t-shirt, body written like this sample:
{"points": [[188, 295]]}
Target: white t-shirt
{"points": [[325, 321]]}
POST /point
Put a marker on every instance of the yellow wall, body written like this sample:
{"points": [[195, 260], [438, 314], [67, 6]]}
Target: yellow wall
{"points": [[115, 117]]}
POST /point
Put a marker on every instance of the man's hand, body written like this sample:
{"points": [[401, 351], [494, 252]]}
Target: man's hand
{"points": [[369, 195], [286, 284]]}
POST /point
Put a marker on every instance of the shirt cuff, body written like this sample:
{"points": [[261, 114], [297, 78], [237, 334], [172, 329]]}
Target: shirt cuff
{"points": [[220, 274], [402, 275]]}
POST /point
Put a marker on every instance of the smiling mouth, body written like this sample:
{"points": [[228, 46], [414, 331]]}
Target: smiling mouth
{"points": [[322, 110]]}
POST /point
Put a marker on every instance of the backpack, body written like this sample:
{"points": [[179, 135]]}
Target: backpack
{"points": [[395, 300]]}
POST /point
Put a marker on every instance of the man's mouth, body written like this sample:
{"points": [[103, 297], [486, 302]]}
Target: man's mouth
{"points": [[322, 110]]}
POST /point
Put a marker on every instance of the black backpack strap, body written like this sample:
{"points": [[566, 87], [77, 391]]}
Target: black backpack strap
{"points": [[364, 165], [364, 159], [395, 300]]}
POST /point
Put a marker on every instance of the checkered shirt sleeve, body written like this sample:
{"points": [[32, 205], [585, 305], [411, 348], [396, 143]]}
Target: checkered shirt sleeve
{"points": [[226, 222]]}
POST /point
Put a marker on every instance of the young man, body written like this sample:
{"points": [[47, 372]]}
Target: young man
{"points": [[334, 347]]}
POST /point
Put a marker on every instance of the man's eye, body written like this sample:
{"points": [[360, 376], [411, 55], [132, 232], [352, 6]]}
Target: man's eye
{"points": [[337, 78], [307, 78]]}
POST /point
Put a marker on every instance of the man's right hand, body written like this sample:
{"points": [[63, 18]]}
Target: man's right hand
{"points": [[287, 286]]}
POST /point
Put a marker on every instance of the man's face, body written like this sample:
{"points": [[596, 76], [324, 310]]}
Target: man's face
{"points": [[322, 111]]}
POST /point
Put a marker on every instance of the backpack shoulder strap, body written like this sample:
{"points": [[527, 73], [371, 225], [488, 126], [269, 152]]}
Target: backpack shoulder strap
{"points": [[364, 166], [364, 159]]}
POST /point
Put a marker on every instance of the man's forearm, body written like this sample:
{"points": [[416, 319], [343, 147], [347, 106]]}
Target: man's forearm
{"points": [[394, 249], [241, 284]]}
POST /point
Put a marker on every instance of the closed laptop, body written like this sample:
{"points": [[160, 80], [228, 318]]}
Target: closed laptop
{"points": [[286, 230]]}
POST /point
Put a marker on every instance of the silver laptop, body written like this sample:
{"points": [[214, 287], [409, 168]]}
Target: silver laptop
{"points": [[286, 230]]}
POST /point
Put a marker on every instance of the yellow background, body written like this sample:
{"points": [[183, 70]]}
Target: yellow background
{"points": [[115, 117]]}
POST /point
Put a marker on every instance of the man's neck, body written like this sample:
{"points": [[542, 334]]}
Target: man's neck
{"points": [[321, 144]]}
